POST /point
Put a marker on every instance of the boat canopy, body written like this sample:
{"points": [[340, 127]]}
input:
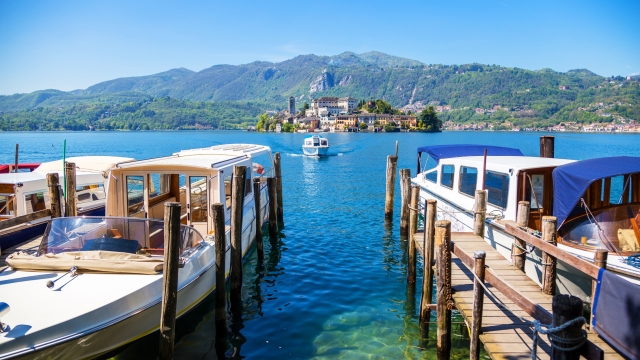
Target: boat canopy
{"points": [[437, 152], [570, 181]]}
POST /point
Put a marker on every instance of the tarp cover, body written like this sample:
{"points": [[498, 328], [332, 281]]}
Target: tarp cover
{"points": [[570, 181], [98, 261], [438, 152], [616, 313]]}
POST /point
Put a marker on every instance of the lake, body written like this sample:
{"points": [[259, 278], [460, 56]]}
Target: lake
{"points": [[333, 287]]}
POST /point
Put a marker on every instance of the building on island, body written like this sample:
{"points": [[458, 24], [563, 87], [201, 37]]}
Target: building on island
{"points": [[292, 105]]}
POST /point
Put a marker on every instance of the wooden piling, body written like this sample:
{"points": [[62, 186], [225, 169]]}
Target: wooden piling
{"points": [[273, 202], [217, 211], [392, 162], [547, 146], [427, 277], [71, 208], [237, 202], [443, 291], [518, 255], [480, 212], [413, 227], [405, 191], [276, 165], [256, 197], [170, 279], [549, 224], [478, 303], [599, 260], [566, 308], [53, 183]]}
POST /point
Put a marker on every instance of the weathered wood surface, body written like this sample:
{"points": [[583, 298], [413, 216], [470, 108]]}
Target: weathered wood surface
{"points": [[413, 227], [518, 255], [71, 207], [405, 191], [273, 204], [19, 220], [237, 202], [54, 195], [443, 288], [549, 263], [427, 238], [392, 162], [170, 279], [256, 199], [506, 332], [480, 213], [276, 164]]}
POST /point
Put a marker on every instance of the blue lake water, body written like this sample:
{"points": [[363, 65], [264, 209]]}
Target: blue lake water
{"points": [[333, 287]]}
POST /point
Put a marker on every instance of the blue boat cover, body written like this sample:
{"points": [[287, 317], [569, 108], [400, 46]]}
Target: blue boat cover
{"points": [[616, 310], [570, 181], [438, 152]]}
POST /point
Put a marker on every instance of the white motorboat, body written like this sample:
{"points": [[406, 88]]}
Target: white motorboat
{"points": [[315, 145], [106, 271], [23, 193], [579, 194]]}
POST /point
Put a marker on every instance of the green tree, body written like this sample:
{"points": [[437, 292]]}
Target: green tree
{"points": [[429, 119], [288, 127], [363, 125]]}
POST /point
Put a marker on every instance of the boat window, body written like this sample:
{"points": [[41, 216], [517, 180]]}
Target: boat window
{"points": [[89, 193], [248, 185], [36, 202], [227, 191], [432, 176], [159, 185], [307, 142], [262, 165], [198, 198], [135, 194], [538, 191], [468, 180], [497, 186], [617, 187], [446, 179], [316, 141], [6, 204]]}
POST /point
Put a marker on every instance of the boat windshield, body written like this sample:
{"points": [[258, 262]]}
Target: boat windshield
{"points": [[613, 229], [126, 235]]}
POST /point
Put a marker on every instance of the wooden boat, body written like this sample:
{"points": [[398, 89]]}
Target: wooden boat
{"points": [[511, 177], [115, 297], [23, 193], [315, 145]]}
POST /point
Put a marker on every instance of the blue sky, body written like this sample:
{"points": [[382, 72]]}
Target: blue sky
{"points": [[70, 45]]}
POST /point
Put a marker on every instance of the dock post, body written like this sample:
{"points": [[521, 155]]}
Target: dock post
{"points": [[427, 277], [170, 278], [53, 183], [547, 146], [518, 252], [276, 165], [478, 303], [599, 260], [237, 201], [256, 199], [480, 213], [71, 209], [549, 224], [566, 308], [273, 202], [405, 192], [443, 291], [392, 162], [217, 211], [413, 227]]}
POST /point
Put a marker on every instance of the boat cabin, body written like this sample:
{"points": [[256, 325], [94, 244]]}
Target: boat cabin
{"points": [[196, 178], [316, 140]]}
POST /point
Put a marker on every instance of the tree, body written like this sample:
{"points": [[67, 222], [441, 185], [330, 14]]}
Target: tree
{"points": [[429, 119], [288, 127], [363, 125], [264, 118], [304, 107]]}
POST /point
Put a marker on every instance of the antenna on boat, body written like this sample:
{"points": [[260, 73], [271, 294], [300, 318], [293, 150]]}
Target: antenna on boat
{"points": [[484, 168]]}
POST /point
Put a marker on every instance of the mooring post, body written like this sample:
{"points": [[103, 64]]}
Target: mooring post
{"points": [[273, 203], [405, 192], [237, 201], [518, 250], [413, 227], [276, 164], [480, 213], [478, 303], [256, 198], [392, 162], [547, 146], [53, 183], [549, 224], [427, 277], [71, 208], [217, 211], [599, 260], [170, 278], [17, 167], [566, 308], [443, 291]]}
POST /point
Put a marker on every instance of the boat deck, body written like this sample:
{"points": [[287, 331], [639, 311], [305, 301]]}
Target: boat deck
{"points": [[32, 243], [507, 332]]}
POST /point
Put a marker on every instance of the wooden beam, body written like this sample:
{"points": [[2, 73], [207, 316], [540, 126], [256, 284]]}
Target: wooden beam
{"points": [[170, 279], [392, 162], [18, 220]]}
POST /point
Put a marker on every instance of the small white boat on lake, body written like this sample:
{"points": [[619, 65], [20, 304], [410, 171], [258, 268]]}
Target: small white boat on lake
{"points": [[315, 145], [107, 271]]}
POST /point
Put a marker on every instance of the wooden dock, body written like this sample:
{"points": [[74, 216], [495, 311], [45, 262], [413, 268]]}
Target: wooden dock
{"points": [[507, 332]]}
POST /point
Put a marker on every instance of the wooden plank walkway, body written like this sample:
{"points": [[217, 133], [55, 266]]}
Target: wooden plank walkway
{"points": [[507, 332]]}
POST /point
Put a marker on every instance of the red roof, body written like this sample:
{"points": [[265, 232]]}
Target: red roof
{"points": [[4, 168]]}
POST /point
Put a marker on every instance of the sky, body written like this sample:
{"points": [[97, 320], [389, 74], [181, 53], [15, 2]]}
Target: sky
{"points": [[69, 45]]}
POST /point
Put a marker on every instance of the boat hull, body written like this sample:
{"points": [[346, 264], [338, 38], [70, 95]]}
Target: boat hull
{"points": [[315, 150]]}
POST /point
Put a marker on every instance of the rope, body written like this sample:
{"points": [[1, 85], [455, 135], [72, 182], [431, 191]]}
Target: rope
{"points": [[601, 233], [554, 340]]}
